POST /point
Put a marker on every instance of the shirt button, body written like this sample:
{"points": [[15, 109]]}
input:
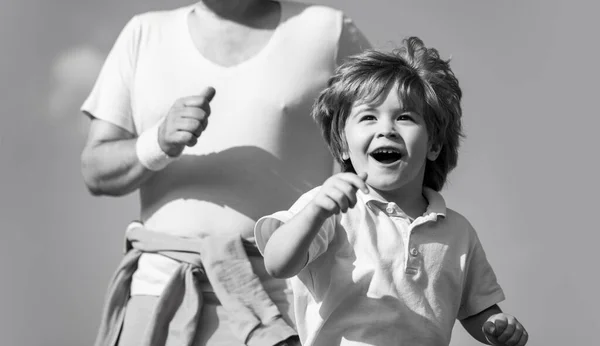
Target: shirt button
{"points": [[414, 251], [411, 271], [390, 210]]}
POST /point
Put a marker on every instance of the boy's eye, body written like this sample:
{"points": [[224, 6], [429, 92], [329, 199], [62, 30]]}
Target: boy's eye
{"points": [[367, 117], [405, 117]]}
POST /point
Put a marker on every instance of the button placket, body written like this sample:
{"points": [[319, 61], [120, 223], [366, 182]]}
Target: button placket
{"points": [[413, 258]]}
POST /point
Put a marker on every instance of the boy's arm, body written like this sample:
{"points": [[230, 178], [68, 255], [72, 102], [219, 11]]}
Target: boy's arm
{"points": [[493, 327], [286, 252], [474, 324], [479, 312]]}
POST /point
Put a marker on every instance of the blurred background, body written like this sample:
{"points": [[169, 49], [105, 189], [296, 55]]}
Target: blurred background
{"points": [[527, 176]]}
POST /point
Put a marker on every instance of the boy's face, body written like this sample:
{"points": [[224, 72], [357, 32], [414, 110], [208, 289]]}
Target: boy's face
{"points": [[389, 143]]}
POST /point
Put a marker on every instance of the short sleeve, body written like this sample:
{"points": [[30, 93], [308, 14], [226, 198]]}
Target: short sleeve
{"points": [[110, 98], [352, 41], [267, 225], [481, 286]]}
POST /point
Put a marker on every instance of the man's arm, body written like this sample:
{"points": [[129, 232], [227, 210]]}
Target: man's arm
{"points": [[352, 41], [109, 163]]}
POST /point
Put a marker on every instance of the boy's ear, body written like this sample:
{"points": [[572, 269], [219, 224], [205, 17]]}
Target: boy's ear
{"points": [[345, 156], [434, 152]]}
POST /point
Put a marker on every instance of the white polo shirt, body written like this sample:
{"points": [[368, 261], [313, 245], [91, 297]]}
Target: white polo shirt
{"points": [[374, 277]]}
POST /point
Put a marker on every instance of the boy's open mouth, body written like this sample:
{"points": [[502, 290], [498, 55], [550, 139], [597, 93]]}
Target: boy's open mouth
{"points": [[386, 155]]}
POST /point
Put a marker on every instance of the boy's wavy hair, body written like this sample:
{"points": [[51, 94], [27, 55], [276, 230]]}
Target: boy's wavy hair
{"points": [[425, 82]]}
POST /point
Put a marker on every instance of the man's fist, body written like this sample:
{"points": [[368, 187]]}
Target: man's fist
{"points": [[186, 120]]}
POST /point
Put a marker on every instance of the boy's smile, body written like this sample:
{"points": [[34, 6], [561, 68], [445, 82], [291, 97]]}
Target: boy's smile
{"points": [[389, 142]]}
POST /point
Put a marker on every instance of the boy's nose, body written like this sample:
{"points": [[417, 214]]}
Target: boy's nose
{"points": [[387, 129]]}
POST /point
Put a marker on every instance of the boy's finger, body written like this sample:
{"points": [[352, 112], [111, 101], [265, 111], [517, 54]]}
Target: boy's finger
{"points": [[501, 325], [516, 336], [507, 331], [524, 338], [346, 187], [349, 193], [492, 340], [335, 206], [339, 197], [343, 203], [355, 181], [489, 328], [329, 204]]}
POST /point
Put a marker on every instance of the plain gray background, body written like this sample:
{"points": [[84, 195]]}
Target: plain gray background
{"points": [[527, 176]]}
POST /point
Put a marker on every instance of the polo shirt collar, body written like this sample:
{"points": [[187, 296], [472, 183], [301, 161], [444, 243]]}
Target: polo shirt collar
{"points": [[435, 208], [437, 204]]}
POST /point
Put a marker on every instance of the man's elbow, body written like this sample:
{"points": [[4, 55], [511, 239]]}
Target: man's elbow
{"points": [[96, 186], [89, 178], [90, 181], [94, 190], [93, 185], [97, 189]]}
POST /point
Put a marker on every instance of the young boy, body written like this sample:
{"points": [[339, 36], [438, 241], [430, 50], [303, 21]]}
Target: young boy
{"points": [[375, 255]]}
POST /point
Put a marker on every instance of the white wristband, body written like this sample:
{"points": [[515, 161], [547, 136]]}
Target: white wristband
{"points": [[149, 152]]}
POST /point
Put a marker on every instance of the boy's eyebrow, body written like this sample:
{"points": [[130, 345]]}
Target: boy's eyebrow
{"points": [[362, 108], [409, 110], [366, 107]]}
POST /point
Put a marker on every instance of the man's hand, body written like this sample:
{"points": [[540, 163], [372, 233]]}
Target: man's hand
{"points": [[184, 123], [504, 329], [338, 193]]}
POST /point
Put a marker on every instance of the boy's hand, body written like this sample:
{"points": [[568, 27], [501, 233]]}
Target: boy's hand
{"points": [[504, 329], [338, 193], [185, 122]]}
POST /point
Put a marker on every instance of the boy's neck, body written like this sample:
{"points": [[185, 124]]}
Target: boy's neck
{"points": [[409, 198]]}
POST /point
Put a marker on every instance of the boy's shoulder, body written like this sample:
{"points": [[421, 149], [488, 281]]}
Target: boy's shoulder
{"points": [[437, 205], [458, 224], [457, 218]]}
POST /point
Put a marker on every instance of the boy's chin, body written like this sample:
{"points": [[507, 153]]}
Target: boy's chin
{"points": [[386, 185]]}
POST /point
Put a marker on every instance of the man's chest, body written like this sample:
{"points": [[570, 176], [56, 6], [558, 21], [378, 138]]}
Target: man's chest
{"points": [[232, 46]]}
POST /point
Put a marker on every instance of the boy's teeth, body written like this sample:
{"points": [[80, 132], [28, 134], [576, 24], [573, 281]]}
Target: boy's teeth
{"points": [[386, 155]]}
